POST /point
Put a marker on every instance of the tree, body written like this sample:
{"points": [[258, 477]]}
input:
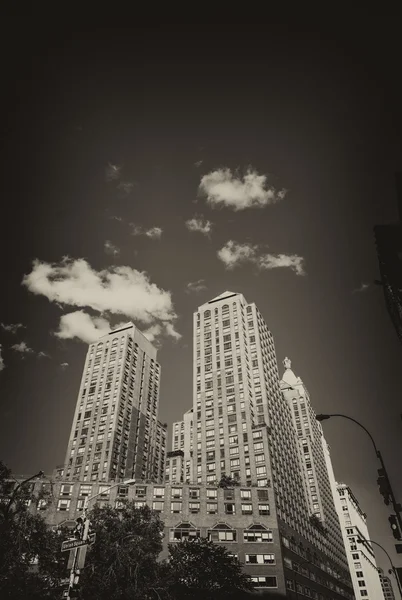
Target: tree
{"points": [[31, 564], [227, 482], [201, 569], [122, 563]]}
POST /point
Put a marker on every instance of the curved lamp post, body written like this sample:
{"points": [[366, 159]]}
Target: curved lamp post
{"points": [[40, 474], [359, 541], [389, 492]]}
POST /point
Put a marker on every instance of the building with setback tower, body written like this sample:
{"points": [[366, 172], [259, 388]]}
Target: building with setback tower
{"points": [[244, 428], [115, 432]]}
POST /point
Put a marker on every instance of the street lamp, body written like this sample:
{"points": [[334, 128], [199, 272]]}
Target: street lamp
{"points": [[383, 479], [366, 542], [87, 500], [40, 474]]}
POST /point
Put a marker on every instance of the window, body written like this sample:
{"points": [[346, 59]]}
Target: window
{"points": [[212, 508], [355, 556], [63, 504], [175, 507], [260, 559], [139, 504], [363, 593], [177, 492], [264, 582], [85, 490], [159, 492], [263, 509], [246, 509], [212, 494], [246, 494], [194, 507], [230, 509], [141, 491], [42, 504], [257, 533], [157, 505], [222, 533], [184, 531], [66, 490]]}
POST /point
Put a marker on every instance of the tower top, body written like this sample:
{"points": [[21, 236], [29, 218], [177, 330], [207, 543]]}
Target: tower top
{"points": [[287, 363]]}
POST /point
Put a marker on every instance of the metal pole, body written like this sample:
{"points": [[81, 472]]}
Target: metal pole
{"points": [[397, 507], [72, 573], [389, 558], [40, 474]]}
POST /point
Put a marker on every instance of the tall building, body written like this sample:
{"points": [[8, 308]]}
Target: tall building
{"points": [[361, 558], [243, 428], [386, 586], [179, 464], [315, 464], [115, 432], [389, 250]]}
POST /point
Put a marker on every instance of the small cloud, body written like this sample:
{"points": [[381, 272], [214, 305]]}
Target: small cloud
{"points": [[223, 188], [198, 163], [112, 172], [2, 365], [154, 233], [12, 327], [126, 187], [64, 365], [234, 254], [115, 218], [22, 348], [199, 224], [363, 288], [196, 286], [110, 248], [42, 354]]}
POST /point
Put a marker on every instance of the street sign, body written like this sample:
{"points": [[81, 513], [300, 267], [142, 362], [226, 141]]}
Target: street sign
{"points": [[71, 544]]}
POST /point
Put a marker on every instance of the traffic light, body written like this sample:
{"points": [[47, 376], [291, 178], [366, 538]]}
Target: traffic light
{"points": [[79, 528], [393, 521], [383, 484]]}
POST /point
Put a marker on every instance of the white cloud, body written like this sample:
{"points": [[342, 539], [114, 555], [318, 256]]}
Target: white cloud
{"points": [[112, 172], [196, 286], [363, 288], [154, 233], [22, 348], [126, 187], [12, 327], [223, 188], [83, 326], [153, 332], [42, 354], [198, 163], [110, 248], [199, 224], [2, 365], [64, 365], [234, 254], [116, 218], [118, 290]]}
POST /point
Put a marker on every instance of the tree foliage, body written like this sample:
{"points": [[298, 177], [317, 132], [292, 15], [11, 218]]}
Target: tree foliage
{"points": [[201, 569], [31, 565], [122, 564]]}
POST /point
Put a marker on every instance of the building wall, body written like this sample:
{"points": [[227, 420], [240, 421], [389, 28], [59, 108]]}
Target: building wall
{"points": [[386, 586], [267, 553], [115, 433], [361, 558]]}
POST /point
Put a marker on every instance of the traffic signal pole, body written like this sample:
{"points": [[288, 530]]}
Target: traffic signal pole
{"points": [[383, 480]]}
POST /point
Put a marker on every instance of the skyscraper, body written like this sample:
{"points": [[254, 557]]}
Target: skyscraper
{"points": [[361, 558], [115, 432], [243, 428], [179, 464]]}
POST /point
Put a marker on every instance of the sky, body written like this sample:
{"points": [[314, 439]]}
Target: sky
{"points": [[148, 170]]}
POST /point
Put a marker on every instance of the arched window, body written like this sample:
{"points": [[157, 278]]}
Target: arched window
{"points": [[222, 533], [207, 314], [257, 533], [184, 531]]}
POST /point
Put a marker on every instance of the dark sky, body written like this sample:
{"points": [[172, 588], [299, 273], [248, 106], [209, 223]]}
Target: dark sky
{"points": [[316, 109]]}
